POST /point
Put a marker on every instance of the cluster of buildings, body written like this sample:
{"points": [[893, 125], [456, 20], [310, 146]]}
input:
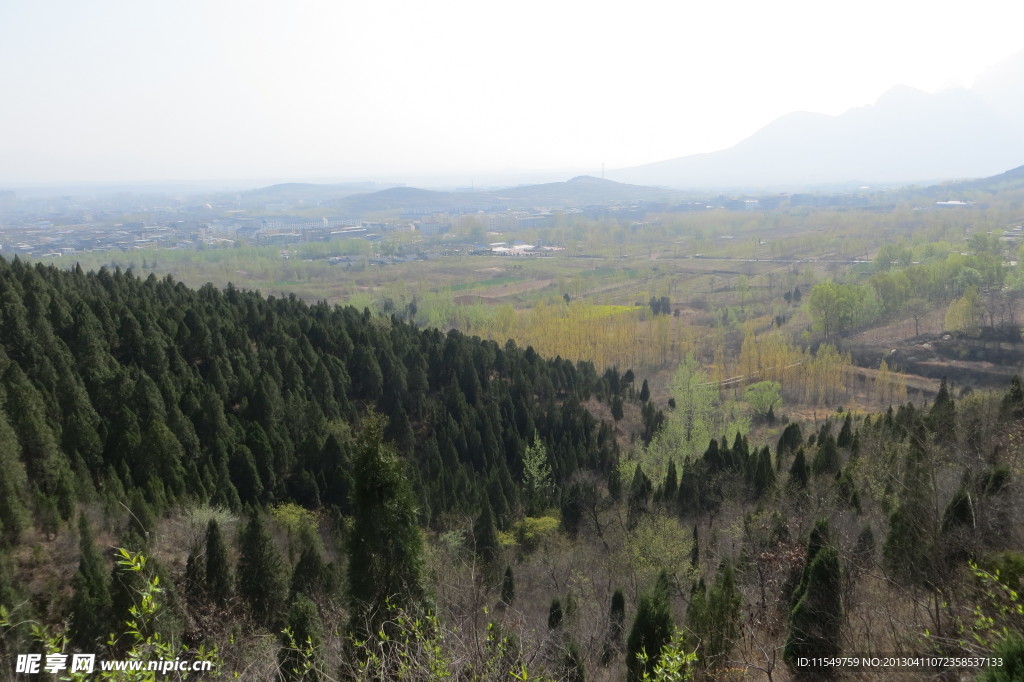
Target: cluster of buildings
{"points": [[49, 234]]}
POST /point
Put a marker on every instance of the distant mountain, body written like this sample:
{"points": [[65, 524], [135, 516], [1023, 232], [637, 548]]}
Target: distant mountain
{"points": [[584, 190], [307, 192], [1012, 179], [578, 192], [906, 136]]}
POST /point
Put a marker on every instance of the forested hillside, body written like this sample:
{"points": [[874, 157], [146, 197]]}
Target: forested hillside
{"points": [[314, 492], [114, 383]]}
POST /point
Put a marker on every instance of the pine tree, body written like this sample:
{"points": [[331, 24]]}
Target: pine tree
{"points": [[826, 459], [301, 643], [571, 666], [798, 473], [485, 537], [14, 516], [652, 629], [671, 485], [616, 628], [845, 438], [312, 575], [555, 614], [91, 602], [790, 440], [194, 578], [817, 614], [508, 587], [386, 546], [262, 576], [910, 550], [639, 496], [140, 517], [942, 417], [763, 474], [617, 412], [1012, 405], [217, 576], [713, 616]]}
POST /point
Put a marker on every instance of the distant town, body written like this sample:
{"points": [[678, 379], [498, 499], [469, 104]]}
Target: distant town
{"points": [[57, 227]]}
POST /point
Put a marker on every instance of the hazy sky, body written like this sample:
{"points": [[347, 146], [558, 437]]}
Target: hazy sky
{"points": [[223, 89]]}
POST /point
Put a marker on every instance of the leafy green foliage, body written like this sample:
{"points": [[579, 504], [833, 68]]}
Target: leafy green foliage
{"points": [[764, 397], [537, 481]]}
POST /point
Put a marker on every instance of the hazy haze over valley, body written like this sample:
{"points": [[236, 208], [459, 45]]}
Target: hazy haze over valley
{"points": [[462, 95]]}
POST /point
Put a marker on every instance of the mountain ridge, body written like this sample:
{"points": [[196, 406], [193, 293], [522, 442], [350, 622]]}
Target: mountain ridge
{"points": [[906, 136]]}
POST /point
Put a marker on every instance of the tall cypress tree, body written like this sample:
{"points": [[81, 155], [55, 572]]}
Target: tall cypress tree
{"points": [[616, 628], [91, 602], [652, 629], [386, 547], [262, 576], [942, 416], [312, 575], [217, 577], [485, 536], [508, 587], [13, 483], [798, 473], [816, 617], [713, 616], [298, 658]]}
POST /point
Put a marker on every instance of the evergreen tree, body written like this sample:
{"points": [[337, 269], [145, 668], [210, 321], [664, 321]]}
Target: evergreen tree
{"points": [[826, 459], [555, 614], [616, 628], [639, 496], [312, 575], [652, 629], [817, 614], [14, 516], [91, 601], [571, 666], [798, 473], [217, 574], [194, 578], [942, 417], [910, 551], [140, 517], [485, 537], [845, 438], [671, 485], [386, 546], [262, 576], [617, 412], [645, 392], [1012, 405], [713, 617], [508, 587], [763, 474], [301, 643], [790, 440]]}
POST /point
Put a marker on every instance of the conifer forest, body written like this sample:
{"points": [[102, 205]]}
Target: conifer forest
{"points": [[617, 463]]}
